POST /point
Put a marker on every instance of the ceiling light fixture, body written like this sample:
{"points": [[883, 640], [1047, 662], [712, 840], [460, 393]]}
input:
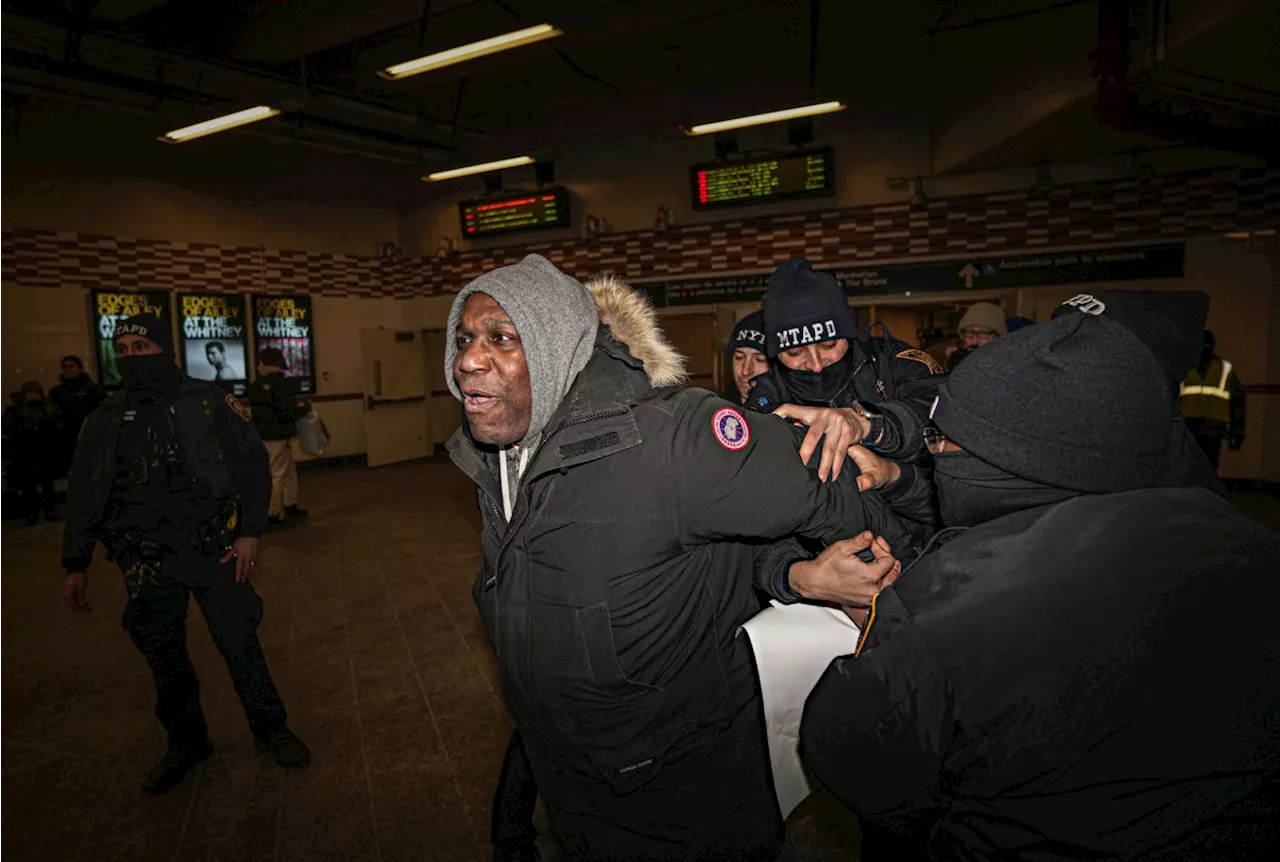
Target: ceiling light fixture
{"points": [[505, 42], [501, 164], [219, 124], [762, 119]]}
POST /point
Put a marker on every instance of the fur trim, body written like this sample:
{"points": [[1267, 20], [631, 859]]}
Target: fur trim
{"points": [[634, 323]]}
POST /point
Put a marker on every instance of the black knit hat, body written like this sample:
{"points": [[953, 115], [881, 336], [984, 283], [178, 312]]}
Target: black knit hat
{"points": [[748, 333], [1169, 322], [1078, 403], [147, 326], [804, 307]]}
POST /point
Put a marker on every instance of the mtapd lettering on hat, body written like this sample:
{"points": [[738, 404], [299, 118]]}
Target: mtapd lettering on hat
{"points": [[812, 333]]}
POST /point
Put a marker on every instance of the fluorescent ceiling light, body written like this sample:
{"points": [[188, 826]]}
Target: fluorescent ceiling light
{"points": [[506, 41], [499, 165], [762, 119], [219, 124]]}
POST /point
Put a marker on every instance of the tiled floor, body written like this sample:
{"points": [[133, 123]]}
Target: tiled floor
{"points": [[374, 642]]}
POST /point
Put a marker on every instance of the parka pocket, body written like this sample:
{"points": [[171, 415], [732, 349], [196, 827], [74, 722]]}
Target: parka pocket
{"points": [[595, 627]]}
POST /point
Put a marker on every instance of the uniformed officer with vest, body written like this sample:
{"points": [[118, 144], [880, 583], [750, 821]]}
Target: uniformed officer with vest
{"points": [[1212, 399], [845, 385], [171, 477]]}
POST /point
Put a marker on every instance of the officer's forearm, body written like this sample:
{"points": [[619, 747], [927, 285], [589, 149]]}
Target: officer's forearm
{"points": [[772, 564]]}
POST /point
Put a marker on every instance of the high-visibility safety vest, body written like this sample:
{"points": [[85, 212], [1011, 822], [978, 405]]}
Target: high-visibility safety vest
{"points": [[1200, 399]]}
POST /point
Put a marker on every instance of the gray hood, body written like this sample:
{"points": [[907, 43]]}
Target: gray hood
{"points": [[557, 321]]}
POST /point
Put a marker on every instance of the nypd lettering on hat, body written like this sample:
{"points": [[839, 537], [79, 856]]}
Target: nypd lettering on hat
{"points": [[1087, 304], [753, 335], [812, 333]]}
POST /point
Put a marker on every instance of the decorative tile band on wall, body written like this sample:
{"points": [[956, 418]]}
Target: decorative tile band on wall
{"points": [[1169, 207]]}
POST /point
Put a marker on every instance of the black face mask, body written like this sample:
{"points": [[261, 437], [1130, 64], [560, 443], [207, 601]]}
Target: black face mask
{"points": [[820, 387], [972, 492], [150, 378]]}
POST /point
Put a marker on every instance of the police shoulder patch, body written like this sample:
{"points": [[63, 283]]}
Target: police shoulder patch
{"points": [[921, 357], [730, 428], [240, 409]]}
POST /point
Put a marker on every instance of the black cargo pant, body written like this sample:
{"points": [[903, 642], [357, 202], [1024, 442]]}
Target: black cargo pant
{"points": [[157, 621], [35, 488], [1209, 437]]}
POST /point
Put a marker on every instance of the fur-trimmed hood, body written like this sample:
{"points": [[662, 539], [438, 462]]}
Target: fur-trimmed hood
{"points": [[633, 322]]}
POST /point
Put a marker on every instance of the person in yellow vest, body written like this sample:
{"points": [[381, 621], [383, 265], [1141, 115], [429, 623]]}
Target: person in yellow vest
{"points": [[1212, 399]]}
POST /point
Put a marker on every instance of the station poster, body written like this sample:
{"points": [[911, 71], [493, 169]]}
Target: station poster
{"points": [[109, 307], [285, 322], [214, 337]]}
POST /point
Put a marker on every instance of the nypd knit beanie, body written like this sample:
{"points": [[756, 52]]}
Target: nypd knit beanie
{"points": [[748, 333], [1078, 403]]}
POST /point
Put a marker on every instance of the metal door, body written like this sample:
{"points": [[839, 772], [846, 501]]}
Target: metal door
{"points": [[395, 396]]}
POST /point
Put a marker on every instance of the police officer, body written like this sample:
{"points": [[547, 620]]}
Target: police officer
{"points": [[746, 355], [172, 478], [841, 383], [1212, 399]]}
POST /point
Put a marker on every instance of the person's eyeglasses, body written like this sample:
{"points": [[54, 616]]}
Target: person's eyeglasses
{"points": [[982, 335], [934, 439]]}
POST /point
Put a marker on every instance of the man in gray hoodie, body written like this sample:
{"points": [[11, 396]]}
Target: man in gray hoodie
{"points": [[617, 509]]}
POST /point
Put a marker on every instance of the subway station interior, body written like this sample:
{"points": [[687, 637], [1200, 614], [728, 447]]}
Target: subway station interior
{"points": [[319, 179]]}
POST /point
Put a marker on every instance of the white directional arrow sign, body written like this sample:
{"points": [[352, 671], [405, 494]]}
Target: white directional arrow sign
{"points": [[969, 273]]}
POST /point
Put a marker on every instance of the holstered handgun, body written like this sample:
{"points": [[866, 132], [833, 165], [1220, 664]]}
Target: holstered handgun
{"points": [[218, 535]]}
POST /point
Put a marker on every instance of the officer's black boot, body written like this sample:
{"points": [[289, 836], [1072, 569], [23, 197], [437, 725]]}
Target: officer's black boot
{"points": [[295, 513], [285, 748], [174, 766]]}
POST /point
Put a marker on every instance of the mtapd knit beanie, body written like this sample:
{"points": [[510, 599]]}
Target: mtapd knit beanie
{"points": [[147, 326], [802, 307]]}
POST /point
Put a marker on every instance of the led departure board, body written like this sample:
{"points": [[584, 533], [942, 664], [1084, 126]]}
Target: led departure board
{"points": [[539, 210], [764, 180]]}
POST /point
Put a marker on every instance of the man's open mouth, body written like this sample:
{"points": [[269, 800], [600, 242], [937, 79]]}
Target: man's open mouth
{"points": [[477, 402]]}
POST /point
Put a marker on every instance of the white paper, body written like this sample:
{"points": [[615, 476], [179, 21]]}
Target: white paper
{"points": [[793, 645]]}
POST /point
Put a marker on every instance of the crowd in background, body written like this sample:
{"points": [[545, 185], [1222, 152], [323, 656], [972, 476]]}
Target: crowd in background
{"points": [[40, 434]]}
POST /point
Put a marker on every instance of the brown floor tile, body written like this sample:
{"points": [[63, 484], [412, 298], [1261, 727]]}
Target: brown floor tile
{"points": [[367, 605], [155, 842]]}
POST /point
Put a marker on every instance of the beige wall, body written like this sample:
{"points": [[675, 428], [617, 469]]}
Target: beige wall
{"points": [[144, 209], [41, 325]]}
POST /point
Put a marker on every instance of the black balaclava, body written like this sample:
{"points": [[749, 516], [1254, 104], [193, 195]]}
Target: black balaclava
{"points": [[821, 388], [154, 377], [971, 491]]}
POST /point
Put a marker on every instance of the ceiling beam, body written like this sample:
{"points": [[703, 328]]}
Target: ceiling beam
{"points": [[259, 82], [116, 11]]}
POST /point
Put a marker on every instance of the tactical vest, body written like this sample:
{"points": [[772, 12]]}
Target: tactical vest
{"points": [[1207, 397]]}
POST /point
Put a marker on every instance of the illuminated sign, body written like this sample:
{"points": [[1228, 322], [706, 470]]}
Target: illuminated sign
{"points": [[109, 307], [538, 210], [285, 322], [214, 334], [764, 180]]}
